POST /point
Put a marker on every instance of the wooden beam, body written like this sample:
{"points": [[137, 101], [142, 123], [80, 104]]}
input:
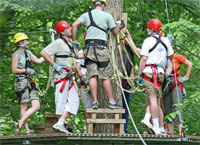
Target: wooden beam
{"points": [[102, 110], [106, 121]]}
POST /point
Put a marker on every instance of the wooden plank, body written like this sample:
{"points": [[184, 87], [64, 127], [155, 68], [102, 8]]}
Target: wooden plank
{"points": [[50, 115], [116, 116], [105, 121], [94, 115], [90, 128], [121, 129], [104, 110]]}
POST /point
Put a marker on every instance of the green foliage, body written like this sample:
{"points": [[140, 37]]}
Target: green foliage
{"points": [[35, 17]]}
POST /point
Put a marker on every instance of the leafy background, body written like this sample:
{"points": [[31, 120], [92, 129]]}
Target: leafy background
{"points": [[35, 17]]}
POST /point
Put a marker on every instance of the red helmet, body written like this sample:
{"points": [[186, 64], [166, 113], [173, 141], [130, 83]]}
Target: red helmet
{"points": [[61, 26], [155, 24]]}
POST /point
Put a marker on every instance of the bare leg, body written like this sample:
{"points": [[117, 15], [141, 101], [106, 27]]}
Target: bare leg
{"points": [[23, 109], [160, 113], [170, 128], [35, 107], [153, 106], [108, 88], [180, 129], [65, 115], [93, 87]]}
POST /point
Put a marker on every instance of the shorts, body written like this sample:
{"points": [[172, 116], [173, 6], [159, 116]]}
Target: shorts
{"points": [[86, 98], [149, 86], [98, 55], [169, 100], [66, 101], [27, 94]]}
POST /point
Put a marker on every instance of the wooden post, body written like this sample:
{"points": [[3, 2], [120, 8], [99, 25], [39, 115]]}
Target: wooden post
{"points": [[115, 7]]}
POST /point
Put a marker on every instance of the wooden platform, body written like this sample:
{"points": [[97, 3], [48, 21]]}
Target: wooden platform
{"points": [[116, 121], [97, 139]]}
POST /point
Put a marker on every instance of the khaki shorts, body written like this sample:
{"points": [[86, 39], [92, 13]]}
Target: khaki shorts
{"points": [[149, 86], [102, 55], [27, 95]]}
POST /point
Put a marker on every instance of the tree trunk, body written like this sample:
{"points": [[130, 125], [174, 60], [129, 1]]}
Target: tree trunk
{"points": [[115, 7]]}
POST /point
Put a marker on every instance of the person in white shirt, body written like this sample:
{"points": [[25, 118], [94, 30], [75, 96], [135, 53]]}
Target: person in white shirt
{"points": [[154, 54]]}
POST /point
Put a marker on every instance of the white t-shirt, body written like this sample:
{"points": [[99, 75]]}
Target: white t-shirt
{"points": [[158, 56], [82, 62]]}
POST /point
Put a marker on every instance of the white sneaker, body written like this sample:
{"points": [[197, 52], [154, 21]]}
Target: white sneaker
{"points": [[60, 128], [163, 132], [156, 131], [146, 123]]}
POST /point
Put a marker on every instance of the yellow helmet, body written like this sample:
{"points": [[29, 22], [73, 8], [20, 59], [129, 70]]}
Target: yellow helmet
{"points": [[99, 0], [19, 37]]}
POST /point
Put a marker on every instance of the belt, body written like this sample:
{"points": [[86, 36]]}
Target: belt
{"points": [[154, 81], [95, 41], [64, 80]]}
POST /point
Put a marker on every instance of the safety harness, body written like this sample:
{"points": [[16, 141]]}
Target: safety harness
{"points": [[177, 81], [29, 78], [92, 23], [70, 47], [154, 79], [64, 80], [96, 43]]}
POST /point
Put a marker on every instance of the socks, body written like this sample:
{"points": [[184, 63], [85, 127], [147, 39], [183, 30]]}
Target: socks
{"points": [[61, 121], [147, 116], [155, 122]]}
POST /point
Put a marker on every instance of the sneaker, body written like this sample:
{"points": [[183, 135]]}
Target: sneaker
{"points": [[95, 105], [146, 123], [60, 128], [115, 105], [163, 132], [156, 131]]}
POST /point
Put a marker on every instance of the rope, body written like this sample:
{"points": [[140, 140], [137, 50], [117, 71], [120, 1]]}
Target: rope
{"points": [[167, 11], [119, 79], [49, 81]]}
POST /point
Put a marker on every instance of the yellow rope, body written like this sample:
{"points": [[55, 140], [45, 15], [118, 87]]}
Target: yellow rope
{"points": [[121, 46]]}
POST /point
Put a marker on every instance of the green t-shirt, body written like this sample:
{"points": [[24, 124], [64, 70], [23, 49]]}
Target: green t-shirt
{"points": [[59, 47], [103, 19]]}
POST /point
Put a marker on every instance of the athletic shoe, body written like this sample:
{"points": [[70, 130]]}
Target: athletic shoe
{"points": [[115, 105], [146, 123], [156, 131], [95, 105], [163, 132], [60, 128]]}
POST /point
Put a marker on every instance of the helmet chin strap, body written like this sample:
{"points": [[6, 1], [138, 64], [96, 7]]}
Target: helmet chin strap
{"points": [[25, 45]]}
